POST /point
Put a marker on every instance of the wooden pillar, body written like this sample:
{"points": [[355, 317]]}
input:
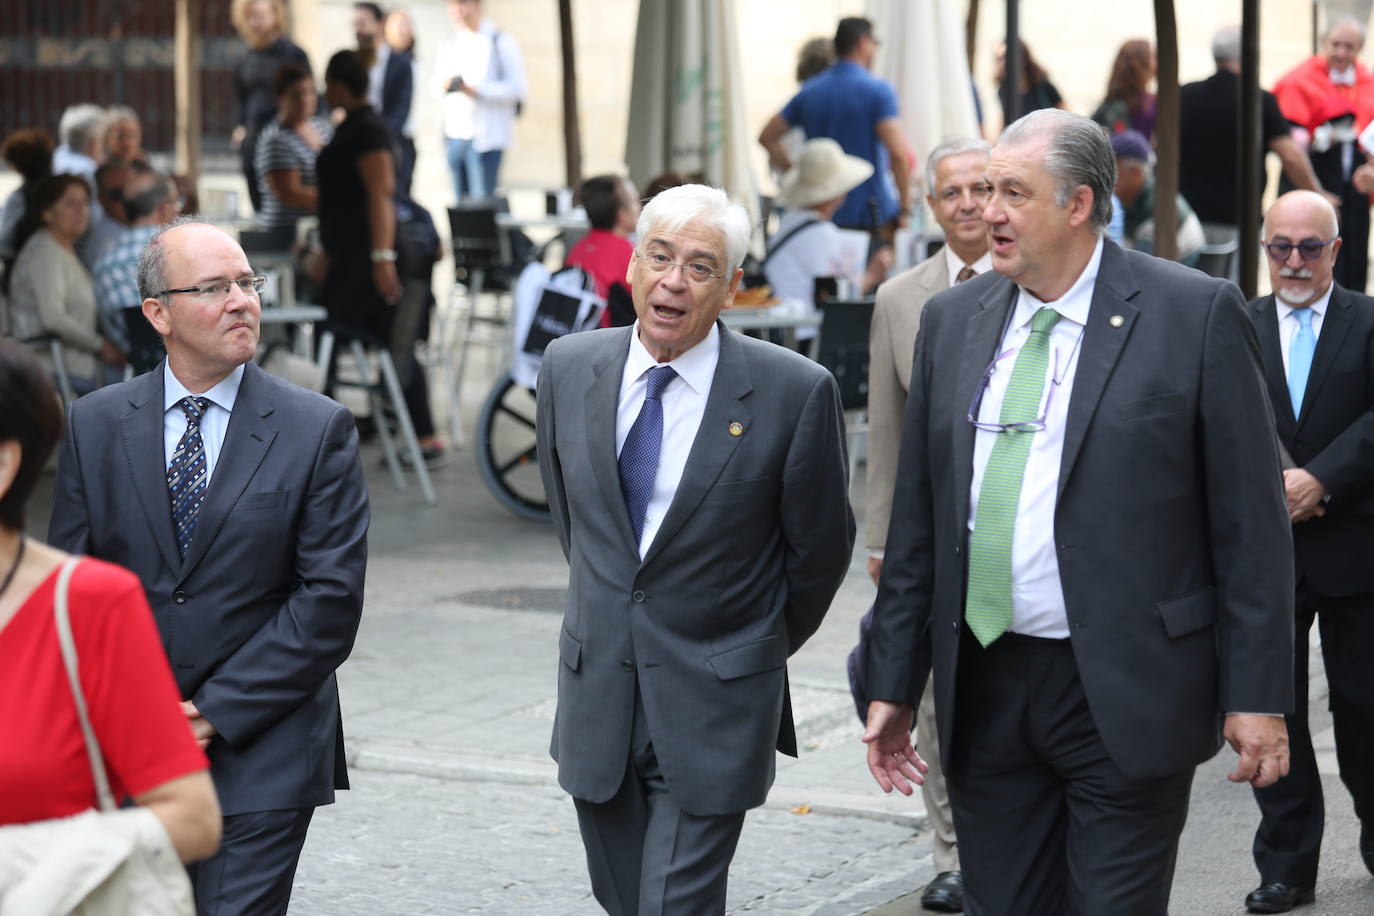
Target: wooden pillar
{"points": [[1011, 73], [188, 105], [572, 132], [1166, 132], [1250, 164]]}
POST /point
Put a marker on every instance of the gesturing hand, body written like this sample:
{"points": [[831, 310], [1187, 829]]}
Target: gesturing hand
{"points": [[892, 759]]}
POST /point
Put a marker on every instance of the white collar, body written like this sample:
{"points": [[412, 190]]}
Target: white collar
{"points": [[696, 367], [1074, 304], [954, 263], [1344, 77], [224, 394], [1318, 306]]}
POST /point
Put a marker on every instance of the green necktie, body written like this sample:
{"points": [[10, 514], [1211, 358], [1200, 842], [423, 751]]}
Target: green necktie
{"points": [[988, 608]]}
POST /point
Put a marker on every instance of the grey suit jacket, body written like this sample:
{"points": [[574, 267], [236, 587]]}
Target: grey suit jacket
{"points": [[891, 343], [1174, 547], [740, 574], [267, 601]]}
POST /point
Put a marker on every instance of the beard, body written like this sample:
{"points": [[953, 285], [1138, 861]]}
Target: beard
{"points": [[1300, 296]]}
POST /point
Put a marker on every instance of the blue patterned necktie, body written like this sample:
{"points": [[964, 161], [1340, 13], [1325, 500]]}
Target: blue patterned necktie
{"points": [[639, 455], [1300, 351], [186, 474]]}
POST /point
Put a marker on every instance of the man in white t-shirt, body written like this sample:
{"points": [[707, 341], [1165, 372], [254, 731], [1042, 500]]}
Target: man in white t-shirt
{"points": [[481, 75]]}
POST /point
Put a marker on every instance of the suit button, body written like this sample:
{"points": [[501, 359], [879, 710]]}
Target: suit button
{"points": [[627, 665], [958, 551], [637, 597], [179, 597], [955, 626]]}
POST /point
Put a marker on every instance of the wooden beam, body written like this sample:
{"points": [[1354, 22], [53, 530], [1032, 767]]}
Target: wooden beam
{"points": [[1166, 132], [1249, 162], [572, 132], [188, 106]]}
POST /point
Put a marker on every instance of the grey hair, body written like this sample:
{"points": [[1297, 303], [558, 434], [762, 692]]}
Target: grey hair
{"points": [[152, 260], [81, 126], [1077, 153], [1226, 44], [117, 113], [952, 147], [674, 208], [1346, 20]]}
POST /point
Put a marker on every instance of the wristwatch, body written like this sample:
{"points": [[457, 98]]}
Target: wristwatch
{"points": [[383, 254]]}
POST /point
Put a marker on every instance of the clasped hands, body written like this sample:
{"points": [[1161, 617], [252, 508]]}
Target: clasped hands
{"points": [[1304, 494], [200, 726]]}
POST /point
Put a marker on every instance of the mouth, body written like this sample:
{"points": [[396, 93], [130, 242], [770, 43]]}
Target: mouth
{"points": [[668, 313], [239, 326], [1002, 243]]}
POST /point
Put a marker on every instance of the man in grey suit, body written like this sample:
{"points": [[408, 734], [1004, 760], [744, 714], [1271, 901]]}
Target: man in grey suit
{"points": [[699, 490], [957, 192], [239, 501], [1089, 544]]}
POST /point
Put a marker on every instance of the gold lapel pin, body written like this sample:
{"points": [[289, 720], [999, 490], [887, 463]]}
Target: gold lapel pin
{"points": [[736, 428], [1116, 321]]}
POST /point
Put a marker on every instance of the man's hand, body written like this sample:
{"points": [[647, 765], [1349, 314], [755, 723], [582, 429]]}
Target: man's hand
{"points": [[875, 568], [200, 726], [1304, 494], [1363, 179], [1262, 742], [388, 283], [892, 759]]}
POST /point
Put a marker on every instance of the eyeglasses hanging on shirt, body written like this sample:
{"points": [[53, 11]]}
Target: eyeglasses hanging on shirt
{"points": [[1021, 426]]}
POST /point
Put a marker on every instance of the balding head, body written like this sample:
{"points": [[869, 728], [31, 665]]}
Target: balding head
{"points": [[1308, 206], [1342, 43], [1300, 236]]}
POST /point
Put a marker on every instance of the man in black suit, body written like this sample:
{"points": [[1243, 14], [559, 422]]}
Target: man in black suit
{"points": [[1317, 342], [390, 77], [1088, 542], [239, 501]]}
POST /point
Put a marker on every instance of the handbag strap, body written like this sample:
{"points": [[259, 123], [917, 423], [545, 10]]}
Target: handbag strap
{"points": [[64, 639]]}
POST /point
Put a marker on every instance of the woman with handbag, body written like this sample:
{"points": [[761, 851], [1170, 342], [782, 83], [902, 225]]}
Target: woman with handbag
{"points": [[109, 727]]}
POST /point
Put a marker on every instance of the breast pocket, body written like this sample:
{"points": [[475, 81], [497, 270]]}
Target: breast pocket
{"points": [[1159, 405], [274, 499], [729, 490]]}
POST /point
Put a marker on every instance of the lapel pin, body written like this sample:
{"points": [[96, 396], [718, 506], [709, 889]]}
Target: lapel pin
{"points": [[736, 428], [1116, 321]]}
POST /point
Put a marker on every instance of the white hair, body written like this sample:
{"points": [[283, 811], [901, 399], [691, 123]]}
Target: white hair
{"points": [[1226, 44], [673, 209], [1077, 153], [81, 126], [952, 147]]}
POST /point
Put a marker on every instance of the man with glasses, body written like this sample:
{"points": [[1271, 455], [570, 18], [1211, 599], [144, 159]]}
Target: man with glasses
{"points": [[1088, 543], [1317, 342], [239, 501], [699, 489]]}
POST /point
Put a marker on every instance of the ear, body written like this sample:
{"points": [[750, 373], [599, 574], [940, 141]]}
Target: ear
{"points": [[11, 456], [630, 272], [1335, 248], [155, 310], [1081, 206]]}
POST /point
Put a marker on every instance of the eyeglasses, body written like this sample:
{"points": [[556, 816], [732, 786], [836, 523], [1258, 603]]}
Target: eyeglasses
{"points": [[218, 290], [1310, 249], [1020, 426], [696, 271]]}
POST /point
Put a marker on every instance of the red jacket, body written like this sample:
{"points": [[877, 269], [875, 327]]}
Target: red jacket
{"points": [[1308, 98]]}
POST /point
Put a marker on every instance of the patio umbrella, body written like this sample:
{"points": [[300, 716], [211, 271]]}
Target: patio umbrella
{"points": [[922, 54], [687, 97]]}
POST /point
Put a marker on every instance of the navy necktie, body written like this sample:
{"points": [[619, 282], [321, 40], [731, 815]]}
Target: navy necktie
{"points": [[186, 474], [639, 455]]}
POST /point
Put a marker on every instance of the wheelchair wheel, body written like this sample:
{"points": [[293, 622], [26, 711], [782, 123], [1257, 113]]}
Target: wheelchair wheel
{"points": [[506, 450]]}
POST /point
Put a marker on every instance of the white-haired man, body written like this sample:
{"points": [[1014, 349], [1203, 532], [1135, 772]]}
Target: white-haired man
{"points": [[699, 490]]}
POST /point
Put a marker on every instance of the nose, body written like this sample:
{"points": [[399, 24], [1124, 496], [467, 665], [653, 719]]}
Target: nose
{"points": [[992, 212], [1294, 258], [676, 274]]}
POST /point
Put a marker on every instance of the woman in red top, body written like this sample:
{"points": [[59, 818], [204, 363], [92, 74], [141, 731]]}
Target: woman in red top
{"points": [[149, 750]]}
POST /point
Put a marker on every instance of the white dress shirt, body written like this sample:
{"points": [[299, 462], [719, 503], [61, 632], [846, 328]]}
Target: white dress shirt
{"points": [[1037, 595], [684, 404], [954, 264], [376, 76], [1288, 322], [213, 424]]}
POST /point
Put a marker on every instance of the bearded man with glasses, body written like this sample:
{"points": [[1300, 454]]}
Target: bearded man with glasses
{"points": [[239, 501], [698, 485], [1317, 341]]}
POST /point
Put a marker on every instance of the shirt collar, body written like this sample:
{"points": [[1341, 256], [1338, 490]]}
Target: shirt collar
{"points": [[954, 263], [1073, 305], [1344, 77], [1318, 307], [225, 394], [696, 367]]}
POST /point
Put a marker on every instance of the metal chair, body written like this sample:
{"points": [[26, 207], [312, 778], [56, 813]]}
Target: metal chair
{"points": [[842, 347], [1218, 256]]}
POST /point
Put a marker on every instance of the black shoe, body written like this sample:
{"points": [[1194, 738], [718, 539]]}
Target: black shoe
{"points": [[1277, 897], [945, 894], [1367, 847]]}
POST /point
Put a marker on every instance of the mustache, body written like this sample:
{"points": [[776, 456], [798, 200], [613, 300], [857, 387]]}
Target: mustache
{"points": [[1295, 273]]}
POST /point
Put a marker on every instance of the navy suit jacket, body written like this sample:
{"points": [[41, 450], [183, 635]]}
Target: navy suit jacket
{"points": [[266, 603], [398, 91]]}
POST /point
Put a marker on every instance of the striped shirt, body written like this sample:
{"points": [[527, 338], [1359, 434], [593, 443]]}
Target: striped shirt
{"points": [[281, 149]]}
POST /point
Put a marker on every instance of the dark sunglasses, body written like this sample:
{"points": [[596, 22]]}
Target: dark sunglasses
{"points": [[1310, 249]]}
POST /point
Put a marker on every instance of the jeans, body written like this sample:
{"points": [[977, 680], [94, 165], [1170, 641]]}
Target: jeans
{"points": [[474, 174]]}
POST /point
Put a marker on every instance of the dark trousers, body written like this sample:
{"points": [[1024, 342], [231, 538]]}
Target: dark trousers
{"points": [[645, 854], [1292, 811], [1047, 823], [1352, 263], [251, 874]]}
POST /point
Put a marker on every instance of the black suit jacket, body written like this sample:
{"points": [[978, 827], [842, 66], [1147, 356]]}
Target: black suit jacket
{"points": [[1172, 533], [398, 91], [1332, 437], [266, 603]]}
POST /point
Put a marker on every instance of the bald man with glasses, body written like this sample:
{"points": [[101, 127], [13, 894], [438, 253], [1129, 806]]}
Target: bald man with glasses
{"points": [[239, 501]]}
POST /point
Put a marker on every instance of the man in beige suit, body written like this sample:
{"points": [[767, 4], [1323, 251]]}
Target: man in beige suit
{"points": [[956, 192]]}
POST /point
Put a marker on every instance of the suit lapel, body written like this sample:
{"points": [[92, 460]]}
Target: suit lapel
{"points": [[1264, 316], [981, 337], [246, 441], [714, 443], [1100, 350], [603, 400], [141, 430], [1334, 327]]}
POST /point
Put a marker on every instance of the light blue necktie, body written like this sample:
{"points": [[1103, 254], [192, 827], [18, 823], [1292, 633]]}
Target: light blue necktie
{"points": [[1300, 351], [638, 463]]}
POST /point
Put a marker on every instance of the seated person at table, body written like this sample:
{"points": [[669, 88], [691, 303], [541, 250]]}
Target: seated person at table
{"points": [[604, 252], [150, 201], [805, 246], [1135, 187]]}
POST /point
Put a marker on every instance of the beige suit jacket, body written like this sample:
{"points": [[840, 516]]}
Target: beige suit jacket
{"points": [[891, 345]]}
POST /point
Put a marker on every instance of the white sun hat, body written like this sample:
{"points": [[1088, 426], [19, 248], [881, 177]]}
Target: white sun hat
{"points": [[822, 173]]}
